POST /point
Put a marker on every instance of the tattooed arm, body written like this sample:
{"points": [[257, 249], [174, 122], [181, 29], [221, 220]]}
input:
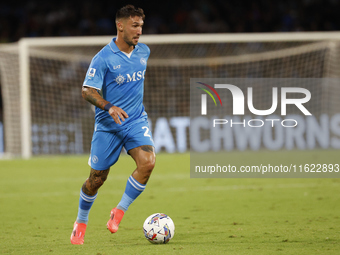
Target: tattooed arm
{"points": [[91, 95]]}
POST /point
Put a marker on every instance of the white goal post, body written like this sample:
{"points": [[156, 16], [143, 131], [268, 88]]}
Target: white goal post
{"points": [[176, 58]]}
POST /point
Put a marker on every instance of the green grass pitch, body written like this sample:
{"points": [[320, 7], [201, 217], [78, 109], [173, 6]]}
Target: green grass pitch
{"points": [[39, 200]]}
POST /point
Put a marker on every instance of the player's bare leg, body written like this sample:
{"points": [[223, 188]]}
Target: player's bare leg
{"points": [[87, 196], [95, 181], [145, 158]]}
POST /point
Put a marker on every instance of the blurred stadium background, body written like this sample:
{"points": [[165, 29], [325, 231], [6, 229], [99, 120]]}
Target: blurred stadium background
{"points": [[187, 39], [67, 18]]}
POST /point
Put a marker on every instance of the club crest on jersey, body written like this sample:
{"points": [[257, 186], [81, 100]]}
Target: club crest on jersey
{"points": [[120, 79], [143, 61], [92, 72]]}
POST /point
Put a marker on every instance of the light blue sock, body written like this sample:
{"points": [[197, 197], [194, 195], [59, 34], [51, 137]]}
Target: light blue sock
{"points": [[85, 203], [132, 191]]}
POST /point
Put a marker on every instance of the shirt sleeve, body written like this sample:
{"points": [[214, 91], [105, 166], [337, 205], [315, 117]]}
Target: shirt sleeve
{"points": [[147, 49], [95, 74]]}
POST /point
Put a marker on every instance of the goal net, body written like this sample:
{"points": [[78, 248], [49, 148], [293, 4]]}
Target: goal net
{"points": [[41, 80]]}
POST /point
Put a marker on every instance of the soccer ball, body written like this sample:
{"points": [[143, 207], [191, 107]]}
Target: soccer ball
{"points": [[159, 228]]}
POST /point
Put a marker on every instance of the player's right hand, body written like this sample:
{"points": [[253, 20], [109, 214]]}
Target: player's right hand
{"points": [[118, 114]]}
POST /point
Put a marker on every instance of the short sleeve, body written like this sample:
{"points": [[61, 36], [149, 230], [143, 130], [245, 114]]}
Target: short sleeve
{"points": [[95, 74], [147, 50]]}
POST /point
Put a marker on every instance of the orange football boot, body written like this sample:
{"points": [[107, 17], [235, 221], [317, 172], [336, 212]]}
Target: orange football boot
{"points": [[115, 218], [78, 233]]}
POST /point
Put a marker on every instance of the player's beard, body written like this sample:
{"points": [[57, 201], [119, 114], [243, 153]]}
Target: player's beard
{"points": [[129, 41]]}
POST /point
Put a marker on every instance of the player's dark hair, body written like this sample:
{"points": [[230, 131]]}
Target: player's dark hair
{"points": [[129, 11]]}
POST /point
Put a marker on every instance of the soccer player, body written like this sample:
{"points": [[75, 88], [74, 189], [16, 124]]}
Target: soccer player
{"points": [[114, 83]]}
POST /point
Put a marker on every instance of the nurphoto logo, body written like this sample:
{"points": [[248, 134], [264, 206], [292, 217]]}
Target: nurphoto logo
{"points": [[239, 103]]}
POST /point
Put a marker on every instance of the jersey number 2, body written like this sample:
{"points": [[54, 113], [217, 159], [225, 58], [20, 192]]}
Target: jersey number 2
{"points": [[146, 133]]}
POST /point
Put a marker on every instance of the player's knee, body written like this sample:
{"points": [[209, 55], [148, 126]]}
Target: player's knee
{"points": [[146, 160], [147, 165], [99, 181], [96, 180], [150, 164]]}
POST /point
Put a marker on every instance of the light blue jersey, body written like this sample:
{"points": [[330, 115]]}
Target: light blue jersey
{"points": [[120, 80]]}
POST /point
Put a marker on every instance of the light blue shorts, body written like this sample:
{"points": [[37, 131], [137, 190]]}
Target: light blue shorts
{"points": [[106, 146]]}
